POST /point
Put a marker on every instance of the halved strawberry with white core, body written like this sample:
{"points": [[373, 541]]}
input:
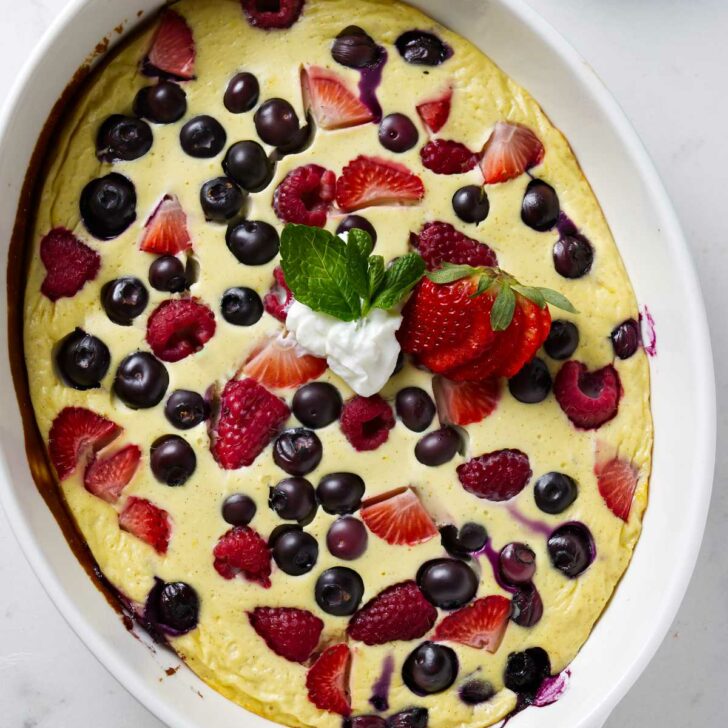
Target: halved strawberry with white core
{"points": [[510, 150], [172, 51], [332, 104], [369, 181], [107, 477], [165, 232], [147, 522], [328, 680], [464, 403], [616, 480], [280, 362], [435, 111], [398, 517], [481, 624], [75, 434]]}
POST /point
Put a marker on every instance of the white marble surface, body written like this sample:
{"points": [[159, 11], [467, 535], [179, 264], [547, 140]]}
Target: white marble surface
{"points": [[665, 62]]}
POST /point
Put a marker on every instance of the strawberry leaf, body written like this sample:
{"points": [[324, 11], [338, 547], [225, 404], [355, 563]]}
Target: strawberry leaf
{"points": [[501, 314], [557, 299], [484, 283], [531, 293], [449, 273]]}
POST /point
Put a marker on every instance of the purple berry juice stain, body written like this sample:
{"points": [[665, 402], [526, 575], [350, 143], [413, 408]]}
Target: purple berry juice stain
{"points": [[380, 690], [534, 525], [649, 335], [370, 79]]}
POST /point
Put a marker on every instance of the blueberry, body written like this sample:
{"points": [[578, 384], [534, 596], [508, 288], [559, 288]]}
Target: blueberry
{"points": [[301, 140], [540, 207], [555, 492], [409, 718], [317, 404], [253, 242], [164, 103], [415, 408], [525, 671], [422, 49], [123, 138], [474, 692], [238, 509], [471, 204], [573, 256], [294, 551], [571, 549], [626, 338], [202, 137], [123, 299], [293, 499], [277, 123], [461, 543], [438, 447], [248, 164], [532, 384], [172, 607], [297, 451], [185, 409], [357, 221], [241, 306], [82, 360], [447, 583], [526, 606], [340, 493], [353, 48], [221, 199], [242, 93], [108, 206], [397, 133], [430, 668], [339, 590], [517, 563], [141, 380], [364, 721], [562, 340], [347, 538], [172, 460], [167, 273]]}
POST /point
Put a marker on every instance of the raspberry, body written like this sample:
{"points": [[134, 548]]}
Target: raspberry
{"points": [[279, 298], [366, 422], [178, 328], [496, 476], [290, 633], [268, 15], [444, 156], [440, 242], [305, 195], [400, 612], [242, 550], [69, 264], [589, 399]]}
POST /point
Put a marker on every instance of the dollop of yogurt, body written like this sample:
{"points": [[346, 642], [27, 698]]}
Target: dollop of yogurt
{"points": [[363, 353]]}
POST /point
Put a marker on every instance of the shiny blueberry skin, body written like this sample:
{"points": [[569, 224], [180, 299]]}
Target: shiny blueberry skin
{"points": [[562, 340], [293, 499], [555, 492], [253, 242], [364, 721], [475, 692], [525, 671], [540, 207], [347, 538], [461, 543], [573, 256], [172, 460], [164, 103], [221, 199], [297, 451], [167, 273], [123, 138], [422, 49], [340, 493], [82, 360], [123, 299], [108, 205], [532, 384], [397, 133], [185, 409], [415, 408], [571, 549], [242, 93], [203, 137], [430, 668], [301, 140], [447, 583], [526, 606], [248, 164], [173, 607], [294, 551], [276, 122], [409, 718], [141, 380], [241, 306], [471, 204], [357, 221], [338, 591], [238, 509], [353, 48], [626, 338], [517, 563], [317, 404], [438, 447]]}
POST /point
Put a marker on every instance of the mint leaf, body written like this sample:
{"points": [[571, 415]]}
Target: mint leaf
{"points": [[501, 314], [557, 299], [399, 279], [532, 294], [376, 274], [314, 263], [362, 239], [357, 253]]}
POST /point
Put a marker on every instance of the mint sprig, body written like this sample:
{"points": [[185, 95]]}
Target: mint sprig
{"points": [[344, 280], [504, 306]]}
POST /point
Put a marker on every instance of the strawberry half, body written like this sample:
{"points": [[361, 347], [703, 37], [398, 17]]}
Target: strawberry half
{"points": [[147, 522], [291, 633], [172, 52], [435, 111], [482, 624], [107, 477], [398, 517], [242, 550], [280, 362], [165, 232], [179, 327], [69, 264], [369, 181], [510, 150], [617, 482], [76, 433], [464, 403], [331, 103], [327, 680]]}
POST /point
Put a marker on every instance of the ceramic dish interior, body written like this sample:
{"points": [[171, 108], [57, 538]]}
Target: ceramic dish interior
{"points": [[657, 261]]}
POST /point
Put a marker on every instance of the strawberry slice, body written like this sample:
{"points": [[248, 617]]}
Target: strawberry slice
{"points": [[434, 112], [328, 680], [172, 52], [331, 103], [243, 551], [279, 297], [510, 150], [280, 362], [165, 232], [369, 181], [69, 264], [481, 624], [291, 633], [464, 403], [398, 517], [76, 433], [147, 522], [617, 482], [107, 477]]}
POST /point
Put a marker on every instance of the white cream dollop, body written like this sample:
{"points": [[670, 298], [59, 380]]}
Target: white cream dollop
{"points": [[363, 353]]}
